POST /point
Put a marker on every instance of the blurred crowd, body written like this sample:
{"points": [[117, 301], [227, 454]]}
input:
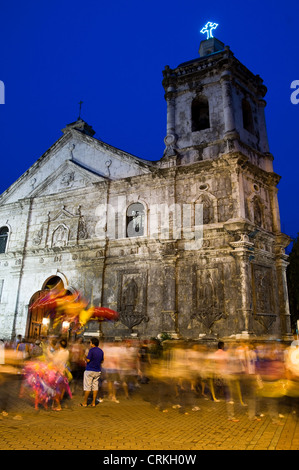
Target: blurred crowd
{"points": [[255, 375]]}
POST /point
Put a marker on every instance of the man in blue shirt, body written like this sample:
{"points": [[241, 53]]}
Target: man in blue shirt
{"points": [[92, 372]]}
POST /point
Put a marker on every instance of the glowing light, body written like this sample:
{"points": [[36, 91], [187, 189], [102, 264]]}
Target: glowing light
{"points": [[46, 321], [65, 325], [208, 28]]}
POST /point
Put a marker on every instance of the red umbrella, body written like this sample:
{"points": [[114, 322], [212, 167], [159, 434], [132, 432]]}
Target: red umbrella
{"points": [[104, 313]]}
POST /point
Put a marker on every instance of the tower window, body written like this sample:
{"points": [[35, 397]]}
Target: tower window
{"points": [[200, 114], [247, 116], [3, 238], [135, 220]]}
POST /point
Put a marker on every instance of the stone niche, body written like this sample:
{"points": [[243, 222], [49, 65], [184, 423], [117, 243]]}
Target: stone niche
{"points": [[132, 298], [263, 299], [208, 296], [65, 228]]}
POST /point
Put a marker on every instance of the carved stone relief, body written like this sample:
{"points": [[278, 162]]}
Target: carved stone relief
{"points": [[132, 299], [64, 227], [209, 300], [60, 235], [263, 289], [263, 296]]}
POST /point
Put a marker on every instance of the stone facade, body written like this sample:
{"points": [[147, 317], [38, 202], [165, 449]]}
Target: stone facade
{"points": [[190, 244]]}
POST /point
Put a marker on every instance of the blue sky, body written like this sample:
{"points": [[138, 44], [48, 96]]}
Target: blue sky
{"points": [[111, 55]]}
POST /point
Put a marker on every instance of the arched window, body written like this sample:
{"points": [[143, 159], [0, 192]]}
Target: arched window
{"points": [[247, 116], [135, 220], [200, 114], [3, 238]]}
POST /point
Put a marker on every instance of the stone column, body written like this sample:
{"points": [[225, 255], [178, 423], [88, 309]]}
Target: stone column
{"points": [[275, 209], [169, 312], [170, 139], [264, 145], [170, 111], [281, 267], [228, 106], [285, 316], [242, 252]]}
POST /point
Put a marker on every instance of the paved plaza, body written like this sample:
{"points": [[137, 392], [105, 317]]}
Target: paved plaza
{"points": [[136, 424]]}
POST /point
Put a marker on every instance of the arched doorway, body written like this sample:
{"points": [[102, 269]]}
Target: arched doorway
{"points": [[38, 315]]}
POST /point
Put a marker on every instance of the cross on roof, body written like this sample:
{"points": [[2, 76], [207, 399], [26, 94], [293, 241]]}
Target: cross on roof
{"points": [[208, 28], [80, 106]]}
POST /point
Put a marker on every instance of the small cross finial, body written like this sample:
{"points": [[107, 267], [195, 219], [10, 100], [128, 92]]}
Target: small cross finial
{"points": [[80, 106], [208, 28]]}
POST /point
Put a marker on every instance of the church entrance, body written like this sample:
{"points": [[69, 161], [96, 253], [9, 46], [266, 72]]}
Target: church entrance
{"points": [[39, 322]]}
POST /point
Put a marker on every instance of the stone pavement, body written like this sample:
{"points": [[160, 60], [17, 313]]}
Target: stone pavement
{"points": [[136, 424]]}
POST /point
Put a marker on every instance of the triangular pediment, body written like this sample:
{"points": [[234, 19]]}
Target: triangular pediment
{"points": [[72, 162], [69, 176]]}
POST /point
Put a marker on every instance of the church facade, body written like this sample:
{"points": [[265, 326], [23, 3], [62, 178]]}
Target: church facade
{"points": [[190, 244]]}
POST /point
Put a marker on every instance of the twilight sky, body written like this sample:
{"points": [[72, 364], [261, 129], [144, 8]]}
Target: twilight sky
{"points": [[111, 55]]}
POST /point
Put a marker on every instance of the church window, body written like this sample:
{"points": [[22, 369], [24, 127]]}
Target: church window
{"points": [[200, 114], [3, 239], [247, 116], [135, 220]]}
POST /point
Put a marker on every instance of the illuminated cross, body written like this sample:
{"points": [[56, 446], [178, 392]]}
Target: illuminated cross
{"points": [[80, 104], [208, 28]]}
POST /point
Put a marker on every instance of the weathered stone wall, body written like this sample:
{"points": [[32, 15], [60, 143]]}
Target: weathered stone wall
{"points": [[218, 271]]}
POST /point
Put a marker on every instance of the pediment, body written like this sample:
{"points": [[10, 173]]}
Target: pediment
{"points": [[69, 176], [74, 161]]}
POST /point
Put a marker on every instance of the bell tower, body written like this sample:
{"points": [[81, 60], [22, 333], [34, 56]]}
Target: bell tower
{"points": [[210, 100], [216, 139]]}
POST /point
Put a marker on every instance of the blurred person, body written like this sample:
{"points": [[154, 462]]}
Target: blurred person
{"points": [[15, 342], [292, 375], [10, 378], [50, 348], [225, 371], [112, 369], [77, 362], [251, 381], [218, 362], [23, 348], [37, 350], [128, 367], [92, 373], [236, 372], [180, 371], [60, 360], [271, 378], [162, 379], [144, 361], [198, 366]]}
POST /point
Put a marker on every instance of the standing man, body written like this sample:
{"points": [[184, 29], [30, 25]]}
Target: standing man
{"points": [[92, 372]]}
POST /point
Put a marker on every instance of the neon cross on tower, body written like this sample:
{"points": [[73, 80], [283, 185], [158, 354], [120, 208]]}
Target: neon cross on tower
{"points": [[208, 28]]}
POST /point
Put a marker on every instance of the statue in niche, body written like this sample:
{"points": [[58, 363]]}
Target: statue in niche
{"points": [[38, 237], [263, 284], [209, 299], [257, 212], [208, 211], [129, 297], [130, 316], [60, 236], [82, 230]]}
